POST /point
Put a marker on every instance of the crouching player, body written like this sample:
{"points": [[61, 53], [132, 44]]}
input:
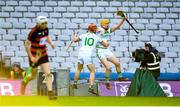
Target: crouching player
{"points": [[88, 45]]}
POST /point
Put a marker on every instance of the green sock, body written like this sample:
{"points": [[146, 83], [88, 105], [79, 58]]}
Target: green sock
{"points": [[119, 74], [107, 79], [91, 86], [75, 81]]}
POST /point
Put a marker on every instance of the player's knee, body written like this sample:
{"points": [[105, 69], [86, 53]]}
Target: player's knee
{"points": [[108, 68], [92, 71], [49, 75], [32, 77], [34, 73], [117, 64], [34, 69]]}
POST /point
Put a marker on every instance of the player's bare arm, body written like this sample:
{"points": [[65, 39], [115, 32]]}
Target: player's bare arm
{"points": [[105, 43], [49, 40], [119, 24], [27, 46]]}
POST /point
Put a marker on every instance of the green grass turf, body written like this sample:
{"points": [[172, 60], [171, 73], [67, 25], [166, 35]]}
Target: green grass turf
{"points": [[88, 101]]}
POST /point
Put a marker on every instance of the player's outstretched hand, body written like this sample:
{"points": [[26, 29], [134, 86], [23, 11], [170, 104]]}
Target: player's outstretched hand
{"points": [[74, 38]]}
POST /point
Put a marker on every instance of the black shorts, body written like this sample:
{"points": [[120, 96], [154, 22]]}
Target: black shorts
{"points": [[42, 60]]}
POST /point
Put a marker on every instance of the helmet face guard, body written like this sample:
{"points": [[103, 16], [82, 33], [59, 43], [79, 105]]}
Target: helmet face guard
{"points": [[92, 27]]}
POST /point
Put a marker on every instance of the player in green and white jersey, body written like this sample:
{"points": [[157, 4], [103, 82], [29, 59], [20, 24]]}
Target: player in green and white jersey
{"points": [[104, 54], [88, 45]]}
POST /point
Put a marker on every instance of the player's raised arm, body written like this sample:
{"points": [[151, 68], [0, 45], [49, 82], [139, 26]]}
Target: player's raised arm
{"points": [[119, 24]]}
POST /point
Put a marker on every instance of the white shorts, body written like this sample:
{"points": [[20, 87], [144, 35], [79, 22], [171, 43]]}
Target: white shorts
{"points": [[85, 58], [104, 53]]}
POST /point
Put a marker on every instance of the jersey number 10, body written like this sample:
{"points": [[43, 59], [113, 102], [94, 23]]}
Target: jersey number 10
{"points": [[89, 41]]}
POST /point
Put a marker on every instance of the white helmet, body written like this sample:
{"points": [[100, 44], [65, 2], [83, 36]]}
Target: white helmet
{"points": [[41, 19]]}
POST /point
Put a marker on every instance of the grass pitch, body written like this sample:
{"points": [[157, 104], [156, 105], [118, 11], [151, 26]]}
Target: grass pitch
{"points": [[88, 101]]}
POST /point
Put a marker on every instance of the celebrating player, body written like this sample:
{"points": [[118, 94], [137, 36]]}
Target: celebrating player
{"points": [[104, 54], [37, 39], [88, 44]]}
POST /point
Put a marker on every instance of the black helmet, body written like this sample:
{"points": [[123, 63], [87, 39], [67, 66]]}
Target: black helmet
{"points": [[149, 45]]}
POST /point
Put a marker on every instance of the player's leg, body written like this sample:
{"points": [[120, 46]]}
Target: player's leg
{"points": [[77, 73], [31, 76], [116, 62], [91, 68], [46, 69], [88, 61], [107, 65], [101, 54]]}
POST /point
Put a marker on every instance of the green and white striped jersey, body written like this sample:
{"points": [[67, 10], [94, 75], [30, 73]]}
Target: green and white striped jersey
{"points": [[105, 35]]}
